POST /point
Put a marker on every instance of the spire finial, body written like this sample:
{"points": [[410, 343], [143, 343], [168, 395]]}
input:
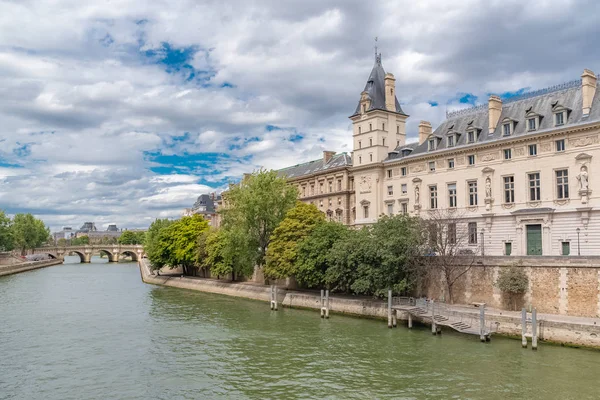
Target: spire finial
{"points": [[375, 47], [377, 55]]}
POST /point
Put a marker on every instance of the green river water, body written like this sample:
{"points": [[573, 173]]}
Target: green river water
{"points": [[95, 331]]}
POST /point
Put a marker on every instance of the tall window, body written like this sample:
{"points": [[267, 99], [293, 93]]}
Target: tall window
{"points": [[471, 136], [562, 184], [506, 129], [303, 191], [390, 190], [370, 142], [471, 159], [359, 131], [397, 128], [559, 118], [509, 189], [472, 232], [431, 144], [339, 184], [321, 188], [312, 190], [390, 209], [431, 166], [473, 193], [452, 233], [452, 195], [404, 188], [389, 173], [370, 127], [531, 124], [366, 211], [404, 208], [359, 145], [330, 186], [383, 129], [451, 163], [560, 145], [450, 141], [507, 154], [533, 149], [383, 141], [534, 187], [359, 159], [433, 203], [403, 171], [370, 157]]}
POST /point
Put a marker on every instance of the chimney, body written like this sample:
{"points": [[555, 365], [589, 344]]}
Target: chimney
{"points": [[327, 156], [424, 131], [588, 90], [390, 92], [494, 111]]}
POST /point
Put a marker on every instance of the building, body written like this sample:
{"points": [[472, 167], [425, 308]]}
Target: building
{"points": [[66, 233], [518, 173], [90, 230], [206, 205]]}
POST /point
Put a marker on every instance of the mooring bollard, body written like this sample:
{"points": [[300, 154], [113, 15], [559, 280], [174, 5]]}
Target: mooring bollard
{"points": [[433, 327], [324, 303], [395, 318], [409, 320], [534, 329], [524, 326], [482, 322], [273, 297], [327, 303], [390, 324]]}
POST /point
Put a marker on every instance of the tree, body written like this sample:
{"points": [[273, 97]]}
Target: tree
{"points": [[62, 242], [80, 241], [128, 237], [140, 237], [255, 207], [312, 254], [227, 252], [28, 232], [6, 236], [513, 282], [151, 246], [451, 247], [298, 223]]}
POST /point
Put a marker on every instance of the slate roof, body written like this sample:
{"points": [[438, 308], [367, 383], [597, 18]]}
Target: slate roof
{"points": [[375, 88], [338, 160], [204, 200], [542, 102]]}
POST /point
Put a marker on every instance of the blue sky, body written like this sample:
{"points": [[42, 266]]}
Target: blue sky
{"points": [[126, 113]]}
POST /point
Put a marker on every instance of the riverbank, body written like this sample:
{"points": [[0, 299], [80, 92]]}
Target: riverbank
{"points": [[561, 329], [27, 266]]}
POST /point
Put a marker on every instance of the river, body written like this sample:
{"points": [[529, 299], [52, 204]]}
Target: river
{"points": [[95, 331]]}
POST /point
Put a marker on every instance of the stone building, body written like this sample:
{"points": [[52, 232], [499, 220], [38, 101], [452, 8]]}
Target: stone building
{"points": [[206, 205], [518, 173]]}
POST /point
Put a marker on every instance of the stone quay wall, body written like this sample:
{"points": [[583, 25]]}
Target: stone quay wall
{"points": [[557, 285], [26, 266], [559, 329]]}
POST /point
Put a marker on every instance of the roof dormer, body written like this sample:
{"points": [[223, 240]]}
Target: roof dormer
{"points": [[508, 126], [472, 134], [561, 113], [532, 120], [405, 151], [432, 142]]}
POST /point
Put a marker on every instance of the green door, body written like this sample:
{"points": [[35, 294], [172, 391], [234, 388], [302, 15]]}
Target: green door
{"points": [[534, 240]]}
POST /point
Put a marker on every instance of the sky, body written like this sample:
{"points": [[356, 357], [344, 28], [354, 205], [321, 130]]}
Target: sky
{"points": [[123, 111]]}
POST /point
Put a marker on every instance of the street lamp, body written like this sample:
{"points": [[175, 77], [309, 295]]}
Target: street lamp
{"points": [[578, 248]]}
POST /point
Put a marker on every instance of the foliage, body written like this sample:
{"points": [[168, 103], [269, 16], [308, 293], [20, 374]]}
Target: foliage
{"points": [[6, 236], [80, 241], [131, 237], [62, 242], [298, 223], [513, 281], [312, 258], [254, 208], [227, 252], [28, 232], [151, 245], [177, 243]]}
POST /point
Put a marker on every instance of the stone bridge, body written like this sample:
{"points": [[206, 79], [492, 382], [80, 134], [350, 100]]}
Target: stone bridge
{"points": [[85, 253]]}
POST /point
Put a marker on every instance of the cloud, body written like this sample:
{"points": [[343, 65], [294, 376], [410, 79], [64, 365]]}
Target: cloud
{"points": [[123, 113]]}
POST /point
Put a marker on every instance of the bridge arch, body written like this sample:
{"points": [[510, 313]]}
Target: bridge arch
{"points": [[134, 256], [82, 256]]}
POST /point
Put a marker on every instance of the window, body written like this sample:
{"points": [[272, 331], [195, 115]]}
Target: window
{"points": [[397, 128], [339, 201], [562, 184], [472, 232], [471, 136], [383, 142], [452, 233], [450, 141], [559, 118], [390, 190], [383, 129], [339, 184], [451, 163], [534, 187], [390, 209], [566, 248], [404, 208], [330, 186], [359, 159], [321, 188], [389, 173], [431, 144], [366, 211], [507, 154], [452, 195], [359, 145], [320, 203], [403, 171], [404, 188], [433, 196], [560, 145], [370, 142], [330, 202], [359, 130], [471, 159], [303, 191], [509, 189], [533, 149], [339, 216], [370, 157], [531, 124], [507, 248], [472, 193], [312, 190], [431, 166], [370, 127], [506, 129]]}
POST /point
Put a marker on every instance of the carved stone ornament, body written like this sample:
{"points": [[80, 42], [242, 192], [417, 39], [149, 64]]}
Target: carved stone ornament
{"points": [[519, 151], [508, 206], [488, 187], [365, 184], [584, 141], [418, 168], [417, 195], [546, 146], [460, 161], [489, 156], [582, 178]]}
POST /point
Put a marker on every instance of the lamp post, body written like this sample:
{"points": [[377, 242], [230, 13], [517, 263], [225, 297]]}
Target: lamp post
{"points": [[578, 248], [482, 242]]}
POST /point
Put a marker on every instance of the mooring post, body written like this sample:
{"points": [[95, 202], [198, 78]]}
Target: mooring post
{"points": [[534, 329], [322, 304], [389, 308], [524, 326], [274, 297], [327, 303], [409, 320], [433, 328], [482, 322]]}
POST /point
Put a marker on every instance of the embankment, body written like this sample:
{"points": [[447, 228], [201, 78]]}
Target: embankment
{"points": [[576, 331], [27, 266]]}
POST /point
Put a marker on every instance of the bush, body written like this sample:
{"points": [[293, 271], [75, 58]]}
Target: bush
{"points": [[513, 282]]}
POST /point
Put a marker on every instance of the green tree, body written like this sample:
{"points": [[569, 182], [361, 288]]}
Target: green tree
{"points": [[282, 252], [151, 245], [28, 232], [255, 207], [513, 282], [312, 259], [6, 236], [128, 237], [80, 241], [140, 237], [177, 243], [227, 252], [62, 242]]}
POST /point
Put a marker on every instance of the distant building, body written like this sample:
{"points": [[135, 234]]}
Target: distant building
{"points": [[66, 233], [206, 205]]}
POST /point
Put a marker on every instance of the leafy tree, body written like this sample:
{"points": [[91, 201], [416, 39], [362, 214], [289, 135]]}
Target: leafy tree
{"points": [[227, 252], [151, 245], [6, 236], [255, 207], [282, 252], [513, 282], [349, 261], [28, 232], [128, 237], [62, 242], [312, 258], [80, 241], [140, 237], [177, 243]]}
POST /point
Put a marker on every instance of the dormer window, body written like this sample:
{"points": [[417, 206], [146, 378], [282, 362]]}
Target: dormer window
{"points": [[472, 136], [406, 152], [431, 144], [532, 124], [559, 118], [506, 129], [561, 113], [450, 141]]}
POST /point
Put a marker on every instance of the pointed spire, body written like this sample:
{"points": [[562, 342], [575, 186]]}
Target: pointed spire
{"points": [[377, 55]]}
